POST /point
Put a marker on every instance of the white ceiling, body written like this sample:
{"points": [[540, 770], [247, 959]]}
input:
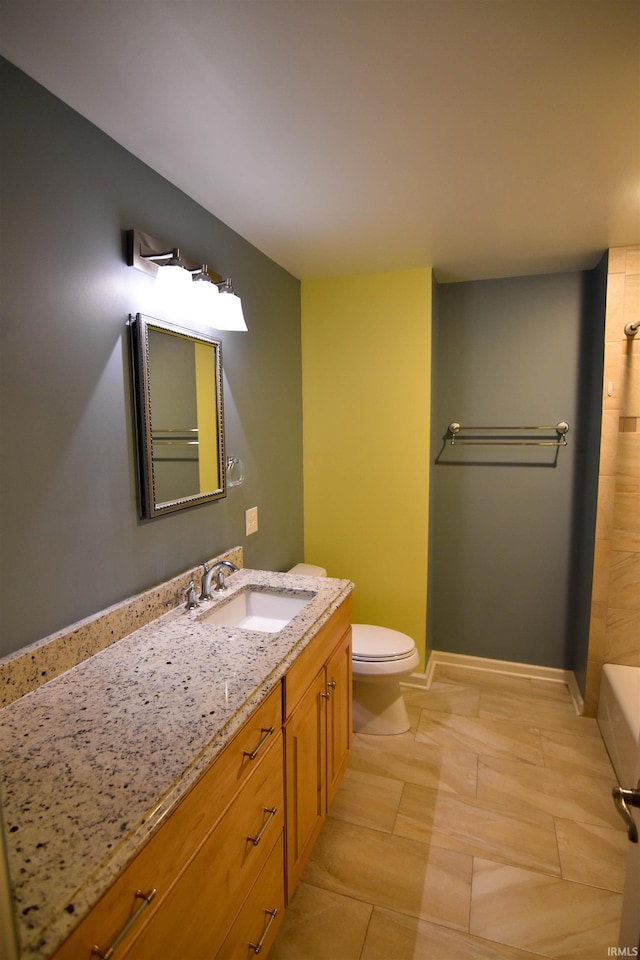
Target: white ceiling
{"points": [[485, 137]]}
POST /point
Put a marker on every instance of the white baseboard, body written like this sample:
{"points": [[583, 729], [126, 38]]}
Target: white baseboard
{"points": [[505, 667], [422, 680]]}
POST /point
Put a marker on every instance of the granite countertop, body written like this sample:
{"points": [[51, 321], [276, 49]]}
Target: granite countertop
{"points": [[95, 759]]}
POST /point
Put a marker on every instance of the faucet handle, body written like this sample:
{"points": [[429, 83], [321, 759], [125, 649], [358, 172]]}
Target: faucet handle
{"points": [[205, 590], [190, 592]]}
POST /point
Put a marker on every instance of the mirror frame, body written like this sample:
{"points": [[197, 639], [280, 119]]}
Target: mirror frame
{"points": [[140, 326]]}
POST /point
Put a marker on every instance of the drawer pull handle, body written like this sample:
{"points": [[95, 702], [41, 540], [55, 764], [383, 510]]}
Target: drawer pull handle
{"points": [[146, 898], [272, 812], [254, 753], [257, 947]]}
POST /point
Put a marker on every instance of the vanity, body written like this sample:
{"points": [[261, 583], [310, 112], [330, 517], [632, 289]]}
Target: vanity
{"points": [[162, 797]]}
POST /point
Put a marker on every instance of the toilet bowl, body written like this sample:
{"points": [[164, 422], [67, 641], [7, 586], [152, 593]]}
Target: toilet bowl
{"points": [[381, 659]]}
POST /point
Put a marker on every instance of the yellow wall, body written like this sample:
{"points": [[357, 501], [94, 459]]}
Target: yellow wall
{"points": [[206, 393], [366, 362]]}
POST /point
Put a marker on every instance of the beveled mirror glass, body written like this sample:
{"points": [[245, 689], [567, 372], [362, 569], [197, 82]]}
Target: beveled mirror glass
{"points": [[179, 416]]}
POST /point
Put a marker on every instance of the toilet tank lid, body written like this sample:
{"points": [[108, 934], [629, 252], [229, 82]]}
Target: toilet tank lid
{"points": [[373, 643], [308, 570]]}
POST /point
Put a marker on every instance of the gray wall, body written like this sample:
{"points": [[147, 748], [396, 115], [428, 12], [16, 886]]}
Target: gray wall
{"points": [[71, 541], [512, 527]]}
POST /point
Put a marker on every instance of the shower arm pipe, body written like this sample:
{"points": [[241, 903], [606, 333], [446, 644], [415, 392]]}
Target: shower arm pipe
{"points": [[632, 328], [560, 428]]}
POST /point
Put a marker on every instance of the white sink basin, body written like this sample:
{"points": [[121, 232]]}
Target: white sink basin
{"points": [[267, 611]]}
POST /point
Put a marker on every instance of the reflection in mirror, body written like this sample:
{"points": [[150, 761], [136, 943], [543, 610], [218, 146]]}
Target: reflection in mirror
{"points": [[179, 416]]}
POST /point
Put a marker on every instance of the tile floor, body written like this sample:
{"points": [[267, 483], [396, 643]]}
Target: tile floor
{"points": [[487, 832]]}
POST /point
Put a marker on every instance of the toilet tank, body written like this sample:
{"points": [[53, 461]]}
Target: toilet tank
{"points": [[308, 570]]}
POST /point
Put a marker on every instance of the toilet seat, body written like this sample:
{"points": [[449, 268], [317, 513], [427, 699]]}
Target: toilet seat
{"points": [[371, 644], [381, 659]]}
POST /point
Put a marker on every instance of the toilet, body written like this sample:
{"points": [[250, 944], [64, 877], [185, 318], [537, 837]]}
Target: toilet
{"points": [[381, 659]]}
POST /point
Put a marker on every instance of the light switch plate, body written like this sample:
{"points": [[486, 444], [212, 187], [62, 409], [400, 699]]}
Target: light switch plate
{"points": [[251, 520]]}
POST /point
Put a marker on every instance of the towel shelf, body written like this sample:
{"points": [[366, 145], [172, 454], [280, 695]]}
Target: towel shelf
{"points": [[560, 429]]}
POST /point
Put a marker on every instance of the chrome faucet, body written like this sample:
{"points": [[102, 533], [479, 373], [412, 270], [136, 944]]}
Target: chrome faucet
{"points": [[207, 576]]}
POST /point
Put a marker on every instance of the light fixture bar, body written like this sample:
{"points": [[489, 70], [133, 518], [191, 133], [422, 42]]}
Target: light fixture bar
{"points": [[143, 249]]}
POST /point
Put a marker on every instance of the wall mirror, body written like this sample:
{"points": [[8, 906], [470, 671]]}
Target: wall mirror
{"points": [[179, 416]]}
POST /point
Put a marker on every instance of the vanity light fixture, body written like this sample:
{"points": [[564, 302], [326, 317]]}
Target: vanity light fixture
{"points": [[195, 286], [203, 296], [172, 279], [229, 315]]}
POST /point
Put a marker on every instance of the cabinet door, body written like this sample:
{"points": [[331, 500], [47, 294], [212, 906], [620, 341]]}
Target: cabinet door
{"points": [[305, 762], [339, 735]]}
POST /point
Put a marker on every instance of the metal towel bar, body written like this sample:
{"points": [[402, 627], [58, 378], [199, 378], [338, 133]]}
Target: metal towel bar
{"points": [[185, 436], [560, 430]]}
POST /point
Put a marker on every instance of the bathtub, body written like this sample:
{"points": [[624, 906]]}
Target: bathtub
{"points": [[619, 720]]}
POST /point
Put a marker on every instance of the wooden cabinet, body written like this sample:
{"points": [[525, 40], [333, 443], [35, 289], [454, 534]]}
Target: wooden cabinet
{"points": [[200, 864], [199, 909], [210, 883], [317, 698]]}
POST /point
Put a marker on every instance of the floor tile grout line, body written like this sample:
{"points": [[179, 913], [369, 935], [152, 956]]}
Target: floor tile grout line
{"points": [[442, 785], [366, 932]]}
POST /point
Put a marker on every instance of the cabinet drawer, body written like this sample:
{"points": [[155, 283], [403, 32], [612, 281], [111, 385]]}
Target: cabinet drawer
{"points": [[195, 916], [169, 851], [248, 746], [301, 673], [257, 924]]}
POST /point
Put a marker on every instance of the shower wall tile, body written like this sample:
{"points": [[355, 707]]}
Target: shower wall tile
{"points": [[614, 630], [628, 461], [612, 376], [631, 306], [617, 260], [604, 517], [632, 265], [630, 399], [601, 563], [626, 519], [597, 630], [609, 443], [592, 687], [624, 573], [621, 642], [614, 324]]}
